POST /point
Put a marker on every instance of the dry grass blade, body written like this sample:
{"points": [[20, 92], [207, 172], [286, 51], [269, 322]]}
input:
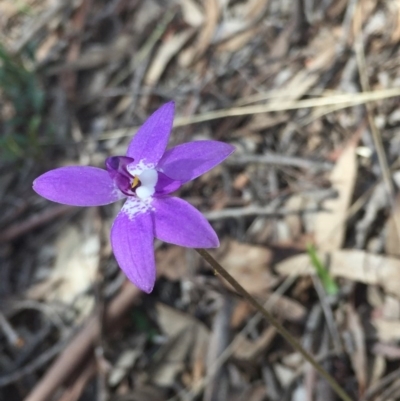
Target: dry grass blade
{"points": [[342, 101], [249, 264]]}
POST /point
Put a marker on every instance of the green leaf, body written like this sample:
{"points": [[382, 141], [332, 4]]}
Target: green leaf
{"points": [[328, 282], [143, 323]]}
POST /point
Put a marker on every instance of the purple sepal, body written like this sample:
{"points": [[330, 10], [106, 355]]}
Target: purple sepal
{"points": [[78, 186], [187, 161], [132, 243], [179, 223], [150, 142]]}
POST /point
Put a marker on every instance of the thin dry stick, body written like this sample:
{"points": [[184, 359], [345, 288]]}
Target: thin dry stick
{"points": [[274, 322], [346, 100]]}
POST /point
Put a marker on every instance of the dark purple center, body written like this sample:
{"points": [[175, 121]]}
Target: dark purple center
{"points": [[117, 167]]}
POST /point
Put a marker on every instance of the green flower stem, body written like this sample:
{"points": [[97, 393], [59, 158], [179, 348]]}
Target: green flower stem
{"points": [[281, 330]]}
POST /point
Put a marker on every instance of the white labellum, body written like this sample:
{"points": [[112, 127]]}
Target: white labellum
{"points": [[148, 180]]}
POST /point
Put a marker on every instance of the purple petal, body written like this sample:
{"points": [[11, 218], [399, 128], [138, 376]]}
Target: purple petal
{"points": [[178, 222], [187, 161], [132, 243], [166, 185], [150, 142], [78, 186]]}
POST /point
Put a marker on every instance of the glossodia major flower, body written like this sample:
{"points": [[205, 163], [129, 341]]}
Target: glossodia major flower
{"points": [[144, 177]]}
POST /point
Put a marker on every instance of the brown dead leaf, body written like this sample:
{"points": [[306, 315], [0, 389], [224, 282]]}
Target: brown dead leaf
{"points": [[241, 312], [330, 226], [387, 330], [249, 265], [75, 267], [287, 308], [76, 263], [172, 262], [293, 221], [249, 350], [284, 374], [352, 264], [282, 306], [172, 321], [124, 364], [188, 341], [171, 358]]}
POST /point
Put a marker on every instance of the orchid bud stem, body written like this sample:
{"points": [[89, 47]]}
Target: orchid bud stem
{"points": [[274, 322]]}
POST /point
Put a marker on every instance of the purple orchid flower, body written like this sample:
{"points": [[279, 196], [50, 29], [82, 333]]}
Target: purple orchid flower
{"points": [[145, 177]]}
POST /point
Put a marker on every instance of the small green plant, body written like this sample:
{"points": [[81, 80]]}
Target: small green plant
{"points": [[143, 324], [22, 102], [328, 282]]}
